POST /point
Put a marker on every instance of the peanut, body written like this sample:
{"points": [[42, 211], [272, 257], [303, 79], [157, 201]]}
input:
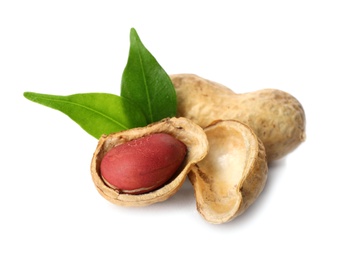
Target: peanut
{"points": [[143, 164], [276, 117], [233, 173], [182, 129]]}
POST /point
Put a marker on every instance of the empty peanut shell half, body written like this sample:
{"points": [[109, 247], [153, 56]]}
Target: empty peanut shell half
{"points": [[232, 175]]}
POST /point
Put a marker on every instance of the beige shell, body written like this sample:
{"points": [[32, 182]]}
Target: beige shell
{"points": [[232, 175], [182, 129], [277, 118]]}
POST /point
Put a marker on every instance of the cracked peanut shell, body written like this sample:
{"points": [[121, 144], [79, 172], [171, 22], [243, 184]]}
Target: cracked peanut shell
{"points": [[182, 129], [232, 175]]}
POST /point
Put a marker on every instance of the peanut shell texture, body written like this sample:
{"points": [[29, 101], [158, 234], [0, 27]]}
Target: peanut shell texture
{"points": [[182, 129], [232, 175], [276, 117]]}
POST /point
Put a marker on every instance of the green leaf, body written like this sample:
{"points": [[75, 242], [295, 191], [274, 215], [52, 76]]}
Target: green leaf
{"points": [[96, 113], [146, 83]]}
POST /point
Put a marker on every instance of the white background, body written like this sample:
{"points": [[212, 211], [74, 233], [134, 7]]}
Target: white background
{"points": [[50, 208]]}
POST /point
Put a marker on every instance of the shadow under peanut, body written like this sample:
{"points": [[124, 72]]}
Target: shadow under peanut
{"points": [[184, 200]]}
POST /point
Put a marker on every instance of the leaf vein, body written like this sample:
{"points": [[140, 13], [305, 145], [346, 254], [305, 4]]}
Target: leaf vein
{"points": [[88, 108], [146, 87]]}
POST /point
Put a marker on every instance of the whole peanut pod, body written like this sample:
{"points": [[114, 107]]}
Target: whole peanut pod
{"points": [[276, 117]]}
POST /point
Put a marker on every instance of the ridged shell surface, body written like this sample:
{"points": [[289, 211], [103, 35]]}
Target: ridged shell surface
{"points": [[232, 175], [277, 118]]}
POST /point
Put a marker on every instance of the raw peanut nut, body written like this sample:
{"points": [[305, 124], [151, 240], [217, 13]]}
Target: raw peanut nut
{"points": [[143, 164], [277, 118], [232, 175], [181, 129]]}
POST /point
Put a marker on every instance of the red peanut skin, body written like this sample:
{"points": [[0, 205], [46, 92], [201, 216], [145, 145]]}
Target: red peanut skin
{"points": [[144, 164]]}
